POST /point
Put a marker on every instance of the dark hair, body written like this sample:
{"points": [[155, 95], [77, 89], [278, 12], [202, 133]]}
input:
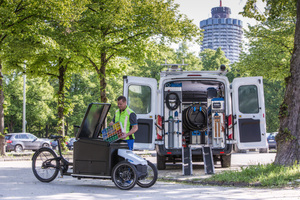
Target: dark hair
{"points": [[122, 98]]}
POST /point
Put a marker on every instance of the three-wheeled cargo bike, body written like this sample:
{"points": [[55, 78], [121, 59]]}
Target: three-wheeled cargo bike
{"points": [[94, 157]]}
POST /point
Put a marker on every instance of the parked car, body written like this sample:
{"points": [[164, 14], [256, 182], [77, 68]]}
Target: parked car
{"points": [[70, 143], [54, 144], [24, 141], [271, 140]]}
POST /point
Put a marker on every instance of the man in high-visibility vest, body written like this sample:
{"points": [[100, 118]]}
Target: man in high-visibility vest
{"points": [[128, 119]]}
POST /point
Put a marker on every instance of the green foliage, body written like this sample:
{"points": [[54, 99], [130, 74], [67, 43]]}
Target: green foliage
{"points": [[39, 96], [265, 175], [152, 67], [61, 41], [212, 60], [269, 50], [274, 9], [183, 54], [273, 92]]}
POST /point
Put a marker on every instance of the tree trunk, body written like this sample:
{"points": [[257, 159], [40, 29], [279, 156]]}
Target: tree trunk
{"points": [[47, 131], [288, 138], [10, 126], [102, 77], [2, 140], [61, 99]]}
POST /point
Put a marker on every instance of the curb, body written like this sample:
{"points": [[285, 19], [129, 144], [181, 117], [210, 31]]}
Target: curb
{"points": [[213, 183]]}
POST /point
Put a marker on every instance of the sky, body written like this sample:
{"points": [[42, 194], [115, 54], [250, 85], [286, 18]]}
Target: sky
{"points": [[198, 10]]}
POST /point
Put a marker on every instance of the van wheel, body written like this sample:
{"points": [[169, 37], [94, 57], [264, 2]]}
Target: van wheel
{"points": [[263, 150], [226, 161], [161, 162]]}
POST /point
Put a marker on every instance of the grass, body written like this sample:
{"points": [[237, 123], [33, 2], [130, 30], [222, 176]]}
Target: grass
{"points": [[269, 175]]}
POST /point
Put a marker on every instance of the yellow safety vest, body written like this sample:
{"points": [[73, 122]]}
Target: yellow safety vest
{"points": [[123, 118]]}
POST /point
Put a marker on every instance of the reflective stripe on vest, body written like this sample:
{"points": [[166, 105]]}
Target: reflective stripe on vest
{"points": [[123, 117]]}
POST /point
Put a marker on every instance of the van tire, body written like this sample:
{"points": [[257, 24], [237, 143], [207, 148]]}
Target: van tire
{"points": [[226, 161], [263, 150], [161, 162]]}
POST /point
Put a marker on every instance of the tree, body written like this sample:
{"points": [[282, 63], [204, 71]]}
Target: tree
{"points": [[39, 95], [20, 20], [183, 54], [268, 53], [288, 138], [269, 49], [55, 57], [122, 28], [161, 54], [212, 60], [273, 92]]}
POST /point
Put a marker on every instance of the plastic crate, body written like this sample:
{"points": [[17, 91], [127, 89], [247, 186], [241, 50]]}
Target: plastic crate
{"points": [[112, 133]]}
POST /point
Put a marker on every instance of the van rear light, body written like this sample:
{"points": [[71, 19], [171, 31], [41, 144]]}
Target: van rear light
{"points": [[194, 75], [230, 135], [159, 127], [8, 141]]}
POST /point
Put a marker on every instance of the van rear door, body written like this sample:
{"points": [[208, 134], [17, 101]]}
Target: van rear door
{"points": [[141, 98], [249, 112]]}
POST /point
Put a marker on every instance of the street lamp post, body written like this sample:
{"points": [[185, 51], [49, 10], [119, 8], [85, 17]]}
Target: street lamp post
{"points": [[24, 101]]}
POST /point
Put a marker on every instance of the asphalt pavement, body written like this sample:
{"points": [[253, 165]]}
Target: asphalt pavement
{"points": [[18, 182], [175, 172]]}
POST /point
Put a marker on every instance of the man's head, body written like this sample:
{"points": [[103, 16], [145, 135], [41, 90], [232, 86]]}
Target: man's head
{"points": [[122, 104]]}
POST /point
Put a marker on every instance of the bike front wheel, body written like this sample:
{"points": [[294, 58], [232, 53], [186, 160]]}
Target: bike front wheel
{"points": [[150, 178], [45, 165]]}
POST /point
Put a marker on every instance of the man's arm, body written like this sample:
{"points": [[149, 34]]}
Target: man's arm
{"points": [[112, 122], [132, 131]]}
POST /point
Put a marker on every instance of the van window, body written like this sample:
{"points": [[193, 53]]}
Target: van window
{"points": [[139, 99], [248, 99]]}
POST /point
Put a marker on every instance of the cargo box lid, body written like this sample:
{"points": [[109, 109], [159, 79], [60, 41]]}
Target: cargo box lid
{"points": [[93, 120]]}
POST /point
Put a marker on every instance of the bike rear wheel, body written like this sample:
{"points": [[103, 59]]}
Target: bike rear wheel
{"points": [[45, 165], [124, 175]]}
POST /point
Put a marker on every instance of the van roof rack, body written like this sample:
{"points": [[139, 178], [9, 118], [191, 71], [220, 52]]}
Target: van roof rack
{"points": [[174, 69]]}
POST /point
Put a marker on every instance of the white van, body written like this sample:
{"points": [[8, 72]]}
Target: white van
{"points": [[197, 109]]}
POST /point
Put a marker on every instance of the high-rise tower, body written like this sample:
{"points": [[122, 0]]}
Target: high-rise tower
{"points": [[222, 31]]}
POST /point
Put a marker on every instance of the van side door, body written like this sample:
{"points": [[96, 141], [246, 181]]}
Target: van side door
{"points": [[249, 119], [141, 98]]}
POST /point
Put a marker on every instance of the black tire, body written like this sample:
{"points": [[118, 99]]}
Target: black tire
{"points": [[226, 161], [18, 148], [151, 177], [263, 150], [124, 175], [45, 165], [161, 162], [45, 145]]}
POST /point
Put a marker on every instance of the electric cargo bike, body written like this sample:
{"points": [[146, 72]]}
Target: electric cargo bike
{"points": [[95, 157]]}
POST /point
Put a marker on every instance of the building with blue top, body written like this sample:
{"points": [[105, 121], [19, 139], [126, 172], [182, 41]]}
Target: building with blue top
{"points": [[222, 31]]}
